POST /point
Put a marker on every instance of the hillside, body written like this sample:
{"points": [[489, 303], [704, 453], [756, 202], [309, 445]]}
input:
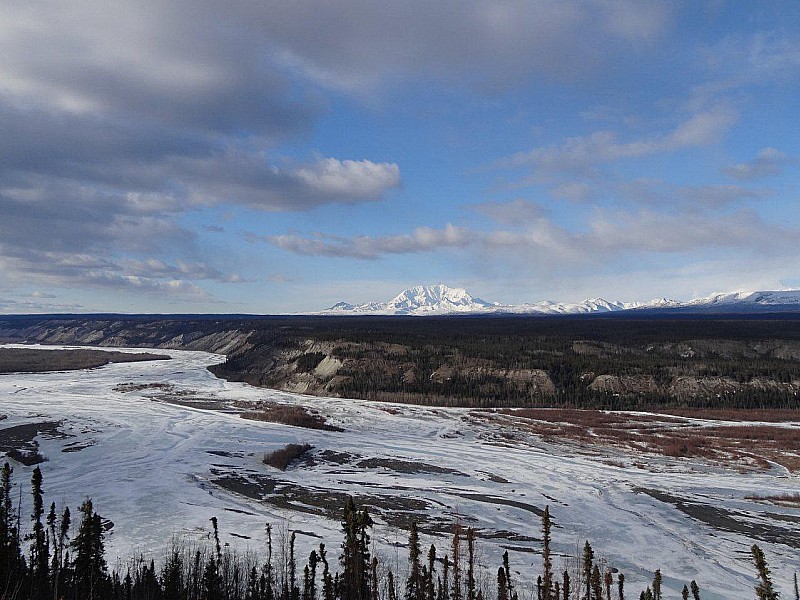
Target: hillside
{"points": [[589, 361]]}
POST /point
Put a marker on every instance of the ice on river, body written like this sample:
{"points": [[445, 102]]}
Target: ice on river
{"points": [[154, 469]]}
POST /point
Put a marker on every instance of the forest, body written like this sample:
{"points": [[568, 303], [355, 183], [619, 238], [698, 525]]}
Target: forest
{"points": [[644, 362], [579, 362], [55, 559]]}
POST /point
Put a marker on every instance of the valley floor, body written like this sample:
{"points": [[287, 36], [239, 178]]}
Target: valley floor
{"points": [[160, 448]]}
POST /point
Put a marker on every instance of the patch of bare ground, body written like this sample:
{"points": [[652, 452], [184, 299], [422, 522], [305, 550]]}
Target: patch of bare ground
{"points": [[742, 445], [297, 416]]}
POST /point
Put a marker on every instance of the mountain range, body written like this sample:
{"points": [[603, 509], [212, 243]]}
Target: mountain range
{"points": [[443, 300]]}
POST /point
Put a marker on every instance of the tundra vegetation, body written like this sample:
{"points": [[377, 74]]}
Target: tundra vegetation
{"points": [[57, 557]]}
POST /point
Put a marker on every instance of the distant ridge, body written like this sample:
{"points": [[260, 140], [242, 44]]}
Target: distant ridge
{"points": [[443, 300]]}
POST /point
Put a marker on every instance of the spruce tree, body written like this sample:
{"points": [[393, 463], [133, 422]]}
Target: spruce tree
{"points": [[621, 586], [608, 580], [685, 592], [511, 593], [328, 589], [267, 571], [355, 557], [596, 584], [470, 564], [10, 552], [218, 547], [294, 591], [40, 555], [444, 583], [566, 585], [456, 588], [313, 561], [764, 588], [547, 560], [211, 585], [657, 585], [373, 579], [588, 560], [430, 589], [414, 584], [254, 582], [89, 564], [695, 590], [502, 588], [172, 576]]}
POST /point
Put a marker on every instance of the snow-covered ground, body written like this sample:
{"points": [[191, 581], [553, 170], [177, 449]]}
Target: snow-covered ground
{"points": [[157, 469]]}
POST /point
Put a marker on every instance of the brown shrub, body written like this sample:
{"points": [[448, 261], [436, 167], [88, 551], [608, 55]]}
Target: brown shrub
{"points": [[786, 498], [297, 416], [768, 415], [281, 458]]}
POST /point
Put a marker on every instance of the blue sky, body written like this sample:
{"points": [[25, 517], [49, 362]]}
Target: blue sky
{"points": [[281, 156]]}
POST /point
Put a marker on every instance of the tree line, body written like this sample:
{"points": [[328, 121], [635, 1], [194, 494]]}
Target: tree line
{"points": [[56, 560]]}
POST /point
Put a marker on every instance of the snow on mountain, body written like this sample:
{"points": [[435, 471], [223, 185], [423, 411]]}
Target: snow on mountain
{"points": [[435, 299], [747, 298], [443, 300]]}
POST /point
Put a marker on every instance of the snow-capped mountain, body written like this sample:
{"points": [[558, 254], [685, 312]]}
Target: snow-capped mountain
{"points": [[434, 299], [443, 300], [747, 299]]}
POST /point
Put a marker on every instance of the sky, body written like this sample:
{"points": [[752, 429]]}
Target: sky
{"points": [[270, 157]]}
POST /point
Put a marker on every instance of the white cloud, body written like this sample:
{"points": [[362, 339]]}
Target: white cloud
{"points": [[580, 153], [767, 162], [610, 236], [349, 179], [422, 239]]}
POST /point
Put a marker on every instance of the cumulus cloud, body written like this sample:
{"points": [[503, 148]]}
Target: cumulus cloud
{"points": [[767, 162]]}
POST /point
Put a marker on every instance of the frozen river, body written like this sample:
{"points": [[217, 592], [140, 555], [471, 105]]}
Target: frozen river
{"points": [[158, 469]]}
